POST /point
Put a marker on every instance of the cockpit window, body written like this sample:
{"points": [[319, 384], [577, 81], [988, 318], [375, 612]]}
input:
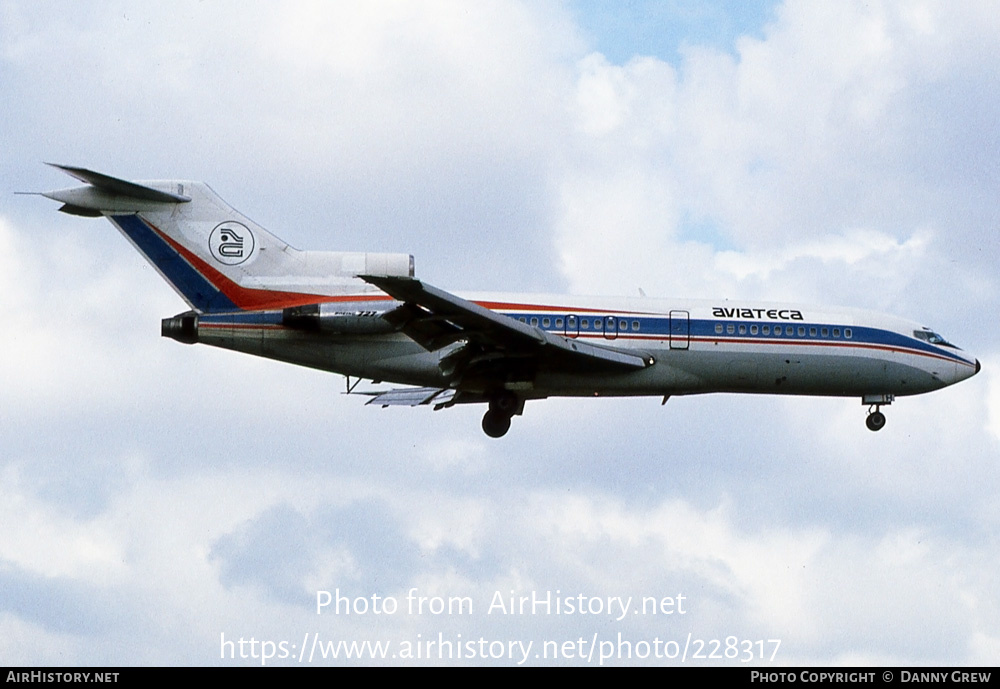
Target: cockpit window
{"points": [[932, 337]]}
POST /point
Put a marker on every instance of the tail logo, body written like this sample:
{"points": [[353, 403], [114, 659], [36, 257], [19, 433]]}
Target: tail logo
{"points": [[231, 243]]}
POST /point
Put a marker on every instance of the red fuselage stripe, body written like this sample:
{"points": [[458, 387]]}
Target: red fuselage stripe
{"points": [[256, 299]]}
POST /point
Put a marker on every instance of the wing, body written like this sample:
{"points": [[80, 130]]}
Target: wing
{"points": [[477, 342]]}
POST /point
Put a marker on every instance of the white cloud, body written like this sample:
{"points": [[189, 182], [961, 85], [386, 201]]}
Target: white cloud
{"points": [[64, 346], [993, 396], [849, 248], [842, 157], [38, 538], [809, 138]]}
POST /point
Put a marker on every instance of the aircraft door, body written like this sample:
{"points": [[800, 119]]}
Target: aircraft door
{"points": [[572, 326], [680, 329], [610, 327]]}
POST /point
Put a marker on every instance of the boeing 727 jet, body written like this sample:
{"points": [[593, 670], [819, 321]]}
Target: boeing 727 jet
{"points": [[366, 316]]}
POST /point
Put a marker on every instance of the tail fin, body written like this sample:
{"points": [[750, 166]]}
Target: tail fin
{"points": [[216, 258]]}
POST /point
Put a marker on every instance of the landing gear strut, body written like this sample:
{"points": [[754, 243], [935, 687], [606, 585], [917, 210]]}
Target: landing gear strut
{"points": [[503, 406], [876, 419]]}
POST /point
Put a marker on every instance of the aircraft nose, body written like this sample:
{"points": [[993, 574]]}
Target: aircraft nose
{"points": [[964, 371]]}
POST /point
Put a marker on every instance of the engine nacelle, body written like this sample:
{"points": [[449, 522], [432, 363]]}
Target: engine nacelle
{"points": [[330, 318]]}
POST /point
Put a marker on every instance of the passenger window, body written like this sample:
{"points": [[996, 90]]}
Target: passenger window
{"points": [[559, 322], [766, 330], [802, 331], [836, 332], [730, 329], [825, 332], [635, 326], [847, 333], [523, 319], [584, 324], [789, 330], [545, 322], [718, 328], [743, 330], [812, 332], [753, 329], [534, 321]]}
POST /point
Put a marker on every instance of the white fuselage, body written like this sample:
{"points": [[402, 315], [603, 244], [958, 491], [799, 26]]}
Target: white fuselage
{"points": [[698, 347]]}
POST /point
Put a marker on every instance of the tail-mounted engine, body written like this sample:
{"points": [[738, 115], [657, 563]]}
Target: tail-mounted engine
{"points": [[331, 318], [183, 328]]}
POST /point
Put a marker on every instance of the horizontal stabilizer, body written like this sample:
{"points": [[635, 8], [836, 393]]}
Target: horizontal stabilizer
{"points": [[120, 187], [71, 209]]}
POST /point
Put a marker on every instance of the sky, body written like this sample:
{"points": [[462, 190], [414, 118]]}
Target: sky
{"points": [[159, 502]]}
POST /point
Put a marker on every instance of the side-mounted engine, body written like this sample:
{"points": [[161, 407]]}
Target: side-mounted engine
{"points": [[332, 318]]}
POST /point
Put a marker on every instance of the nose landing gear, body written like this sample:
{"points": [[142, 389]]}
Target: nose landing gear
{"points": [[876, 419]]}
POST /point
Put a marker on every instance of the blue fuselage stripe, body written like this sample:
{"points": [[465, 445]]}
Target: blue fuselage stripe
{"points": [[704, 330]]}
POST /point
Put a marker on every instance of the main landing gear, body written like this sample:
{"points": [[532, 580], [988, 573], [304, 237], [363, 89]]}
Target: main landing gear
{"points": [[503, 406], [876, 419]]}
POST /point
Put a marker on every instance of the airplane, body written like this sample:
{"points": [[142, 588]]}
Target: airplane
{"points": [[366, 316]]}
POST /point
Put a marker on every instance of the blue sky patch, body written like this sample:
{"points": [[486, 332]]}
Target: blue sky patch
{"points": [[658, 28]]}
